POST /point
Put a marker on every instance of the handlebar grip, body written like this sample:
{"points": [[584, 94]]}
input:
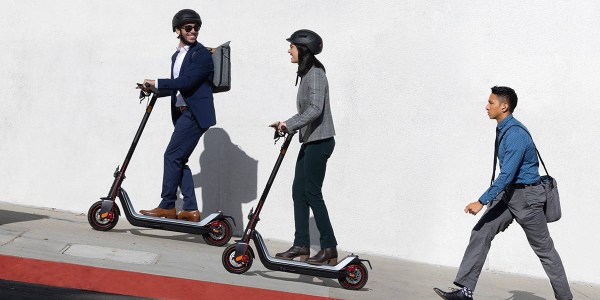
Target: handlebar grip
{"points": [[147, 86], [277, 134], [155, 90]]}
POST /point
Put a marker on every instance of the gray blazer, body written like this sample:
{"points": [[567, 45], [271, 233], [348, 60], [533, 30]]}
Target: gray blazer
{"points": [[314, 118]]}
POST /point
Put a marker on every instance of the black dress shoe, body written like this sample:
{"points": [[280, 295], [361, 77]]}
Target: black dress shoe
{"points": [[325, 256], [455, 294], [295, 251]]}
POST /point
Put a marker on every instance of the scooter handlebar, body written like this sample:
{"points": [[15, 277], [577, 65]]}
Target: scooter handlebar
{"points": [[147, 87], [279, 134]]}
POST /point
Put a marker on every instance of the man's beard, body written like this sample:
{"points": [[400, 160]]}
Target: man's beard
{"points": [[185, 42]]}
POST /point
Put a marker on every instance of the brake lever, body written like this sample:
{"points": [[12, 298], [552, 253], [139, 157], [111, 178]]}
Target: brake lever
{"points": [[277, 136], [143, 94]]}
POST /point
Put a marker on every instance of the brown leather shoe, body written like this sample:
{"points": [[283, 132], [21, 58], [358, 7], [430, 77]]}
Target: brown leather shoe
{"points": [[190, 215], [295, 251], [160, 212], [327, 256]]}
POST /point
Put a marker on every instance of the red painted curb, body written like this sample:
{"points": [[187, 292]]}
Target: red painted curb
{"points": [[129, 283]]}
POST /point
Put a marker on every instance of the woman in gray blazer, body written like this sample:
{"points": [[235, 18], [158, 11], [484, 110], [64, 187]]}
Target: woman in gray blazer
{"points": [[316, 132]]}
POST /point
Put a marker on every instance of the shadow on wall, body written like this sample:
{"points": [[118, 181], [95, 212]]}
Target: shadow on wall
{"points": [[228, 177]]}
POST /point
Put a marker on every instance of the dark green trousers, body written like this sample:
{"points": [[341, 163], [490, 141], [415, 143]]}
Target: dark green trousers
{"points": [[306, 192]]}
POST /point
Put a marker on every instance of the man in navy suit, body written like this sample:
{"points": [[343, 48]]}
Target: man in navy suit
{"points": [[192, 111]]}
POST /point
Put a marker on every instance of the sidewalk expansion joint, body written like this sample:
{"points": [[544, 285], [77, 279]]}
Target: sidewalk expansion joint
{"points": [[14, 238], [114, 254]]}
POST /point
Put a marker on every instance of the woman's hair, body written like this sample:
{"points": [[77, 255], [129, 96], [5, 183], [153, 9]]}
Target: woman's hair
{"points": [[306, 60]]}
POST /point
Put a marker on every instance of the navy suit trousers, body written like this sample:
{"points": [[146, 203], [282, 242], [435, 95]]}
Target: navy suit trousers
{"points": [[176, 174]]}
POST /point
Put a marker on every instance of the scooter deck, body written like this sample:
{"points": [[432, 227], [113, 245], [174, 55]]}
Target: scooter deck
{"points": [[138, 219], [300, 267]]}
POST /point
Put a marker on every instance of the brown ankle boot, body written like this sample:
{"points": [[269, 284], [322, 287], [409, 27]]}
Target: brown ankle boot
{"points": [[295, 251], [190, 215], [327, 256]]}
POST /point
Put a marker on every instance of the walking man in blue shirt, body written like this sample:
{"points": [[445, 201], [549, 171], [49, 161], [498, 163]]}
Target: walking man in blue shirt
{"points": [[516, 194]]}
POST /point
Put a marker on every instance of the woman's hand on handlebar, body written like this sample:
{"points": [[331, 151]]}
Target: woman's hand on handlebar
{"points": [[279, 126]]}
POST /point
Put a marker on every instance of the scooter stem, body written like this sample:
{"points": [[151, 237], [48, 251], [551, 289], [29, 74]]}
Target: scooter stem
{"points": [[263, 197], [254, 216], [120, 175]]}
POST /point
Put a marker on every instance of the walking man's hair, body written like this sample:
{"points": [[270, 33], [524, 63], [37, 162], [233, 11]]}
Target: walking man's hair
{"points": [[508, 94]]}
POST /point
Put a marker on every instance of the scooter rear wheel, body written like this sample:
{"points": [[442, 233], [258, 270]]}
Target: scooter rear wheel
{"points": [[99, 223], [356, 277], [232, 266], [220, 233]]}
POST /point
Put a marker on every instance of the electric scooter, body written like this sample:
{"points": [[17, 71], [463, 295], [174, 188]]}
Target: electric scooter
{"points": [[104, 214], [237, 258]]}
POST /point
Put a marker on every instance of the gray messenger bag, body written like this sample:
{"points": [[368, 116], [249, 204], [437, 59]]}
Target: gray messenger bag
{"points": [[221, 56], [552, 206]]}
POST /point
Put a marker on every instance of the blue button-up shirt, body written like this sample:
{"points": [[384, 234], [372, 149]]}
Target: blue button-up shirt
{"points": [[517, 156]]}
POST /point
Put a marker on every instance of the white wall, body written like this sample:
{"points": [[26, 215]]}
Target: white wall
{"points": [[409, 81]]}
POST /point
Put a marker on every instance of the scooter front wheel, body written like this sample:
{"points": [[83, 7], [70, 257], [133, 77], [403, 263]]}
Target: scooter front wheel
{"points": [[233, 266], [220, 233], [356, 277], [103, 224]]}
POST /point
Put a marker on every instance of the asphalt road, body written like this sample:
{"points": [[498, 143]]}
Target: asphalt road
{"points": [[28, 291]]}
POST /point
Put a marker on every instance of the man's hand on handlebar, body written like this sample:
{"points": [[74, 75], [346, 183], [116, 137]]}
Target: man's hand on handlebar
{"points": [[146, 89], [148, 84]]}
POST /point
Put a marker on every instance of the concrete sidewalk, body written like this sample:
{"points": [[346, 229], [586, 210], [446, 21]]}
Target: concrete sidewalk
{"points": [[65, 237]]}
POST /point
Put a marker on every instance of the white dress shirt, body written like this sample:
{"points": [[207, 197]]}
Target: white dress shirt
{"points": [[176, 69]]}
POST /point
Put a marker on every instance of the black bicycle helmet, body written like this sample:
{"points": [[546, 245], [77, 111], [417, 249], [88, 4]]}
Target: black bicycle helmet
{"points": [[307, 38], [186, 16]]}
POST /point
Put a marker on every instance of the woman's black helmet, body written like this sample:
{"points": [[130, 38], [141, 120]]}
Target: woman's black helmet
{"points": [[307, 38], [186, 16]]}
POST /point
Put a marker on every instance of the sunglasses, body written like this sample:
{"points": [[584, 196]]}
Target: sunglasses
{"points": [[189, 28]]}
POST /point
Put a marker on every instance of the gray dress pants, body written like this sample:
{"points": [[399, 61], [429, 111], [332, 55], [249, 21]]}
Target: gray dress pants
{"points": [[526, 206]]}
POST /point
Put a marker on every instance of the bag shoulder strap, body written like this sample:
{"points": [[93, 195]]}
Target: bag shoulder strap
{"points": [[497, 144]]}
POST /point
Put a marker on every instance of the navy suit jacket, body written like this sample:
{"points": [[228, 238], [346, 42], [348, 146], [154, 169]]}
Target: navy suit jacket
{"points": [[194, 83]]}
